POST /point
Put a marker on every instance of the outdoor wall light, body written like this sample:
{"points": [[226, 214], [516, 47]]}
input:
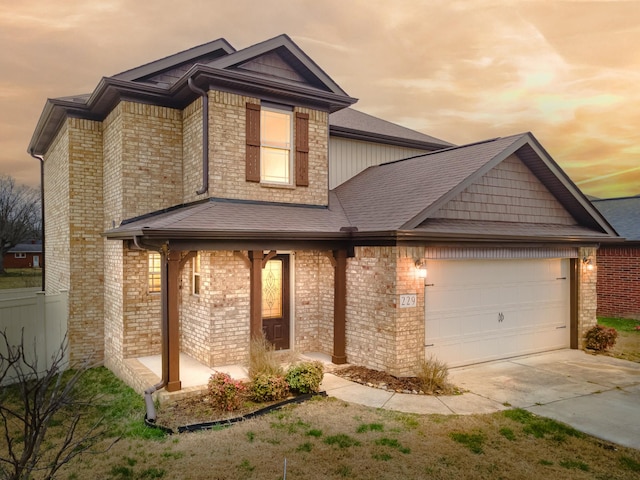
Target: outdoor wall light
{"points": [[421, 268], [588, 264]]}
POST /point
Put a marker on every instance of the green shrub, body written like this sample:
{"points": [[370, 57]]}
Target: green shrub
{"points": [[267, 388], [225, 393], [434, 376], [601, 338], [305, 377]]}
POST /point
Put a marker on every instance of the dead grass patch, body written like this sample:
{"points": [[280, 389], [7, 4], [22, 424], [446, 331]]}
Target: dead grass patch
{"points": [[326, 438]]}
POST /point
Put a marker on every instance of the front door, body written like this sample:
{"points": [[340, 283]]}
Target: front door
{"points": [[275, 301], [36, 261]]}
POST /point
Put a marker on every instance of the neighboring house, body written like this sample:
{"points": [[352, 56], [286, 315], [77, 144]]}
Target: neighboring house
{"points": [[216, 194], [25, 255], [619, 263]]}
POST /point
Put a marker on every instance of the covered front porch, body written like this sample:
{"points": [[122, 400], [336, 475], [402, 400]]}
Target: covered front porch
{"points": [[195, 375]]}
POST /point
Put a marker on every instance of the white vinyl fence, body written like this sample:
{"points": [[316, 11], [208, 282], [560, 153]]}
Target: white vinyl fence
{"points": [[42, 319]]}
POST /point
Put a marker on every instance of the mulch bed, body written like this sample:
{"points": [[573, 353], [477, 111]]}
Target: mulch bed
{"points": [[382, 380]]}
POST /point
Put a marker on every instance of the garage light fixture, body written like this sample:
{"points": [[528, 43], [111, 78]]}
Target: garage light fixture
{"points": [[421, 268], [588, 264]]}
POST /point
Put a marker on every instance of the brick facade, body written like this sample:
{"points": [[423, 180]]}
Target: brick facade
{"points": [[619, 281], [379, 334], [143, 158]]}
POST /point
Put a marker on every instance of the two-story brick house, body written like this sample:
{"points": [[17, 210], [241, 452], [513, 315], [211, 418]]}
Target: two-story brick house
{"points": [[216, 194]]}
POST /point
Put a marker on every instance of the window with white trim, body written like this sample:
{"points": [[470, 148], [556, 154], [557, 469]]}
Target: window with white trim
{"points": [[154, 272], [20, 255], [196, 274], [275, 145]]}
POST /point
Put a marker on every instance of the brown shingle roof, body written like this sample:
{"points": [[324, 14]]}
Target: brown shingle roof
{"points": [[238, 217], [354, 124], [387, 196]]}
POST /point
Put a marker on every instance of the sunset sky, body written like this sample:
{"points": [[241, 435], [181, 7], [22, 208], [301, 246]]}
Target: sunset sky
{"points": [[462, 71]]}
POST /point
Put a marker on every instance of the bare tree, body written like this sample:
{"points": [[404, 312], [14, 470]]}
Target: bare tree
{"points": [[19, 215], [37, 399]]}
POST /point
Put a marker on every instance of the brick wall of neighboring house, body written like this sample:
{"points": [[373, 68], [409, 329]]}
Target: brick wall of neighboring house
{"points": [[619, 281], [587, 296], [25, 260]]}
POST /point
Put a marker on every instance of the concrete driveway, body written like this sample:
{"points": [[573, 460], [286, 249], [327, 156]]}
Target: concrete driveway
{"points": [[597, 395]]}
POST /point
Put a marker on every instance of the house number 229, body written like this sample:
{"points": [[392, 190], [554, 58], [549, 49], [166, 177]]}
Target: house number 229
{"points": [[408, 301]]}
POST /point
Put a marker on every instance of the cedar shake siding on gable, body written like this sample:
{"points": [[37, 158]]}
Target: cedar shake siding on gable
{"points": [[507, 193]]}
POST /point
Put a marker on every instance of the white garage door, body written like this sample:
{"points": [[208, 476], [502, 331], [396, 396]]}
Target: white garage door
{"points": [[481, 310]]}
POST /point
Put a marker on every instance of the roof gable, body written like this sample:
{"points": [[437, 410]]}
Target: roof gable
{"points": [[281, 59], [174, 66], [393, 195], [452, 184], [509, 192]]}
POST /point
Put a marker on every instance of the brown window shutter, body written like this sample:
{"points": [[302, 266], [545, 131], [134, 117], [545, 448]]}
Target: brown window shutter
{"points": [[302, 149], [253, 143]]}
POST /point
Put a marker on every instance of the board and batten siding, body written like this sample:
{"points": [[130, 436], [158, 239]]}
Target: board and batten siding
{"points": [[349, 157]]}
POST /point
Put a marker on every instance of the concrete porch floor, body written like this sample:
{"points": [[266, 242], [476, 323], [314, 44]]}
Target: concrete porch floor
{"points": [[195, 375]]}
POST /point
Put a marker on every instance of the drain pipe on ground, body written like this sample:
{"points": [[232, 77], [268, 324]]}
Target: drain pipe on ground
{"points": [[150, 416], [205, 136]]}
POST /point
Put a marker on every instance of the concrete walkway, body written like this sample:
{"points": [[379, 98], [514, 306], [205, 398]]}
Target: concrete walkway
{"points": [[597, 395]]}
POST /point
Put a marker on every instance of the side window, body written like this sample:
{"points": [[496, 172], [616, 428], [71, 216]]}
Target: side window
{"points": [[196, 274], [154, 272]]}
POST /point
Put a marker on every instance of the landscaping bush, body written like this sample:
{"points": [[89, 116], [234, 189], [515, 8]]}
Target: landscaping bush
{"points": [[434, 376], [225, 392], [601, 338], [266, 388], [262, 358], [305, 377]]}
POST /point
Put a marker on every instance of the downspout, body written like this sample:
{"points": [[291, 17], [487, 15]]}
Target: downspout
{"points": [[148, 399], [38, 157], [205, 136]]}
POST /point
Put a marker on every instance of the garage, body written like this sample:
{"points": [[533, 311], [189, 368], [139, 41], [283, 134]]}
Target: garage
{"points": [[482, 310]]}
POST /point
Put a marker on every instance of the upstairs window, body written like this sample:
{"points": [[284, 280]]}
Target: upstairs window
{"points": [[275, 146], [154, 272], [270, 135]]}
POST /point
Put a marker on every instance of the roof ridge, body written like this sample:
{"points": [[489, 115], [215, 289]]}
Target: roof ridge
{"points": [[455, 147]]}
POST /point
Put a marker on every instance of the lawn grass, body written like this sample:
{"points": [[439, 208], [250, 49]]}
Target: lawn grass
{"points": [[627, 346], [326, 438], [21, 278]]}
